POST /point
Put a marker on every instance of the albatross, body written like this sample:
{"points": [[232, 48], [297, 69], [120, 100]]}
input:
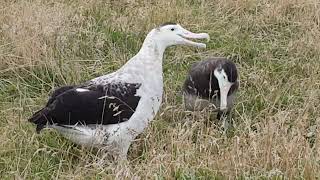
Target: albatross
{"points": [[211, 81], [109, 111]]}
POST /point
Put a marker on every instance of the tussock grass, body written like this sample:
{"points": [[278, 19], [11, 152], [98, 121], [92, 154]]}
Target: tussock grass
{"points": [[275, 44]]}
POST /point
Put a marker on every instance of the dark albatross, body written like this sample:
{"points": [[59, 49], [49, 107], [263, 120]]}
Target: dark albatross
{"points": [[211, 81]]}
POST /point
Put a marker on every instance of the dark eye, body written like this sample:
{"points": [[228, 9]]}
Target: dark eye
{"points": [[172, 29]]}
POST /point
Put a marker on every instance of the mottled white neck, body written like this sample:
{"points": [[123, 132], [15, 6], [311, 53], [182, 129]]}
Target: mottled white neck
{"points": [[146, 67], [152, 45], [150, 55]]}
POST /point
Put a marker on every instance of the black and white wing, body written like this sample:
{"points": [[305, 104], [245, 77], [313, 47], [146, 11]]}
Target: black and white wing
{"points": [[92, 104]]}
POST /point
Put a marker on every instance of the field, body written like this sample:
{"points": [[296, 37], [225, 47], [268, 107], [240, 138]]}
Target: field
{"points": [[276, 45]]}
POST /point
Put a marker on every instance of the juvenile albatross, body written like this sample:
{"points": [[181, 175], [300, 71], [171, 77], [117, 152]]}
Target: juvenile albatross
{"points": [[211, 81], [111, 110]]}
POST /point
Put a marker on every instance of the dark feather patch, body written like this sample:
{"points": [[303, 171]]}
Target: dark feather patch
{"points": [[110, 104], [59, 91], [231, 70]]}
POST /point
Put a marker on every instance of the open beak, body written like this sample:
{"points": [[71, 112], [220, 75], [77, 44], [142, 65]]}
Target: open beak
{"points": [[190, 35]]}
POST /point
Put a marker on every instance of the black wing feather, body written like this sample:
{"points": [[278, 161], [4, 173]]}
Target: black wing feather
{"points": [[59, 91], [111, 104]]}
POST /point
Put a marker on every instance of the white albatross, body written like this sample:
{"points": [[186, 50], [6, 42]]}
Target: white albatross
{"points": [[108, 112]]}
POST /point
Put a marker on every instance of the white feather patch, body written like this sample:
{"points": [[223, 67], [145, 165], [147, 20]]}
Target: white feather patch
{"points": [[82, 90]]}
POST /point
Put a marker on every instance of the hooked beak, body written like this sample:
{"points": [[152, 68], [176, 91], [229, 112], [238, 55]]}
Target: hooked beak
{"points": [[190, 35]]}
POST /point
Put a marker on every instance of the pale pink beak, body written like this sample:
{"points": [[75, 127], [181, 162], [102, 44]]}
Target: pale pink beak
{"points": [[190, 35]]}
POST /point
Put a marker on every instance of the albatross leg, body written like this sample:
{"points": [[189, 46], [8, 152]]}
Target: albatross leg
{"points": [[123, 152]]}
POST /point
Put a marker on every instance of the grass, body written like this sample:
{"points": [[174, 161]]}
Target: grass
{"points": [[275, 44]]}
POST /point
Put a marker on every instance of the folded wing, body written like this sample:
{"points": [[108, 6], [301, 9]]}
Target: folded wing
{"points": [[108, 104]]}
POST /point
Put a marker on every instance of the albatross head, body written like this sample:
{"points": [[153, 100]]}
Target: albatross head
{"points": [[227, 76], [169, 34]]}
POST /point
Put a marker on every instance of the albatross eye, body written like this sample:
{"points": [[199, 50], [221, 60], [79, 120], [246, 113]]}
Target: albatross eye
{"points": [[172, 29]]}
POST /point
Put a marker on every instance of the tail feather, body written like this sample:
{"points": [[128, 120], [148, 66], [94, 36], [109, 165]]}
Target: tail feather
{"points": [[40, 119]]}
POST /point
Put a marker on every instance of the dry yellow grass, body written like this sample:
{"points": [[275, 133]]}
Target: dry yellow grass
{"points": [[276, 45]]}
